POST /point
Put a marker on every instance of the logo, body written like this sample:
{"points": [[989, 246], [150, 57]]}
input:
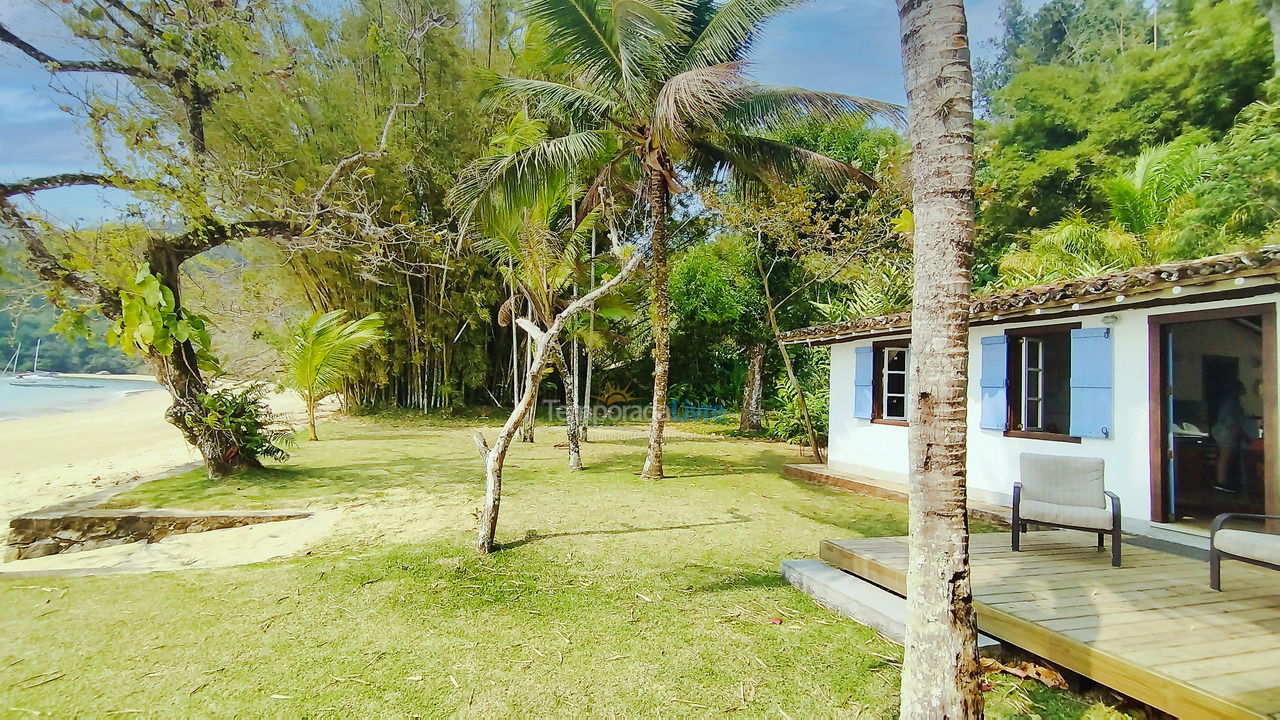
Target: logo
{"points": [[614, 395]]}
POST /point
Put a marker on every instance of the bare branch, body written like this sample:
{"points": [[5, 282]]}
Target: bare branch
{"points": [[56, 65], [51, 182], [48, 268]]}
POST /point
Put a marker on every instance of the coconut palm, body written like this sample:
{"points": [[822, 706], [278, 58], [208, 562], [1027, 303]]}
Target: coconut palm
{"points": [[1143, 205], [940, 670], [660, 93], [322, 354]]}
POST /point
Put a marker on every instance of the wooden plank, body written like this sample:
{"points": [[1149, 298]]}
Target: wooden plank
{"points": [[1065, 603]]}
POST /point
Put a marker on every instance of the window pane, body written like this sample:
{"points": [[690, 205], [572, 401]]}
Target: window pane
{"points": [[895, 359], [895, 407], [896, 383]]}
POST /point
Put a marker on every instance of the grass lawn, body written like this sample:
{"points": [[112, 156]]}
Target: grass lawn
{"points": [[612, 597]]}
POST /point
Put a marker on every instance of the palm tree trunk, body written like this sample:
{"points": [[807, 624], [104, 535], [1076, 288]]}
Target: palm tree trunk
{"points": [[311, 416], [661, 324], [752, 417], [940, 676], [567, 371]]}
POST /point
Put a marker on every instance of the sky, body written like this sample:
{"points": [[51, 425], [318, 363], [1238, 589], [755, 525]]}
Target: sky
{"points": [[848, 46]]}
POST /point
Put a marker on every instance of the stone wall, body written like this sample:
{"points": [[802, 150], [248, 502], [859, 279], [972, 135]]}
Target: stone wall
{"points": [[52, 531]]}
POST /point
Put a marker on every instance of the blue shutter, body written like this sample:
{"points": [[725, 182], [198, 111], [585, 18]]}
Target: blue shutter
{"points": [[1091, 382], [862, 370], [995, 383]]}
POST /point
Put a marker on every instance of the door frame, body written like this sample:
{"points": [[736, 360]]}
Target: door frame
{"points": [[1157, 410]]}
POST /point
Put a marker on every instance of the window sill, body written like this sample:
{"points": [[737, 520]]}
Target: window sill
{"points": [[1030, 435], [886, 421]]}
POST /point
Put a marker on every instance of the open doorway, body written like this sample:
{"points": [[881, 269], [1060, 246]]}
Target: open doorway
{"points": [[1216, 390]]}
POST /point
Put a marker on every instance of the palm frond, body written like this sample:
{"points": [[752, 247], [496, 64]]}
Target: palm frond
{"points": [[645, 30], [550, 97], [728, 35], [323, 350], [754, 163], [698, 98], [767, 106], [516, 178], [584, 33]]}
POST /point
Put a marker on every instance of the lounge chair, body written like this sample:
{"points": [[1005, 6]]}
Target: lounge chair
{"points": [[1251, 546], [1065, 492]]}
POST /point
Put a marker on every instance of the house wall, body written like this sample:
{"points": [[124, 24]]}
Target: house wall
{"points": [[879, 451]]}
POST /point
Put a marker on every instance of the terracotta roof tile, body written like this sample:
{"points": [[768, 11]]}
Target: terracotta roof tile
{"points": [[1134, 281]]}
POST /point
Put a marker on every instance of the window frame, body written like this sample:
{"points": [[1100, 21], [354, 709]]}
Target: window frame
{"points": [[879, 387], [1016, 401]]}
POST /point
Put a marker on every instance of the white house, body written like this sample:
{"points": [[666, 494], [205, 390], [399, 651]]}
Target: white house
{"points": [[1167, 373]]}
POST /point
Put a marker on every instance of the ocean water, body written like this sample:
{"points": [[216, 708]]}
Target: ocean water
{"points": [[29, 397]]}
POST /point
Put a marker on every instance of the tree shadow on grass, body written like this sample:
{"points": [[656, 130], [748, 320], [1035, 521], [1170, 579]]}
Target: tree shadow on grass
{"points": [[535, 536], [743, 581]]}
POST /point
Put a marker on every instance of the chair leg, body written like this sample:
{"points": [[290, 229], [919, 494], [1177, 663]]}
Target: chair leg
{"points": [[1100, 535], [1017, 526], [1115, 548], [1215, 570]]}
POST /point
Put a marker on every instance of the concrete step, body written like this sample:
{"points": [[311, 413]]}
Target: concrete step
{"points": [[858, 599]]}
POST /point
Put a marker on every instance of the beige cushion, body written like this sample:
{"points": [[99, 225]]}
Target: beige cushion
{"points": [[1253, 545], [1073, 515], [1063, 480]]}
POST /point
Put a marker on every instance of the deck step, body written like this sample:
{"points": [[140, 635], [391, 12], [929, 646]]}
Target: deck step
{"points": [[853, 597]]}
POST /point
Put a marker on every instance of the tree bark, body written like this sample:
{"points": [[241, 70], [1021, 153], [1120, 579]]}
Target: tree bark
{"points": [[543, 343], [179, 373], [661, 324], [941, 675], [752, 417], [567, 371]]}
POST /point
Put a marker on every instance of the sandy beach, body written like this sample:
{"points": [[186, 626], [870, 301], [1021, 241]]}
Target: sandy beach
{"points": [[54, 458]]}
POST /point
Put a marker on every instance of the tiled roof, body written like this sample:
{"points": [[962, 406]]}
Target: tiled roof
{"points": [[1133, 282]]}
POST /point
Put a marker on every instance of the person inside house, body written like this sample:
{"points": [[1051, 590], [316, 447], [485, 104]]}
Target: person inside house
{"points": [[1229, 433]]}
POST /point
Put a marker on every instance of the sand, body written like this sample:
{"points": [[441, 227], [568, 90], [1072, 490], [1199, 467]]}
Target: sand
{"points": [[212, 549], [53, 458]]}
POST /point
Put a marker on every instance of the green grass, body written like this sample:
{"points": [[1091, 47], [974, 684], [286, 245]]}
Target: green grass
{"points": [[612, 596]]}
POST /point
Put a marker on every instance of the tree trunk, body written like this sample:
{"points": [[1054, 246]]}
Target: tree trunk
{"points": [[571, 417], [495, 456], [752, 419], [1273, 17], [772, 315], [661, 324], [941, 675], [179, 373], [311, 417]]}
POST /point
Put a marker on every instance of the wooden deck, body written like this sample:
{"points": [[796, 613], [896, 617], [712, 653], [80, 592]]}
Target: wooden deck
{"points": [[1152, 629]]}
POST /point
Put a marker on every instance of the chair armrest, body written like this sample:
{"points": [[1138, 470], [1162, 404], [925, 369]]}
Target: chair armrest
{"points": [[1115, 500], [1225, 518]]}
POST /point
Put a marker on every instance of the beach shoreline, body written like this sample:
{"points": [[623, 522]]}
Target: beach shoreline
{"points": [[49, 459]]}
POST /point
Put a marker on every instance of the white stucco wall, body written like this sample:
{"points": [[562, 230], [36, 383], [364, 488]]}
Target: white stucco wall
{"points": [[880, 451]]}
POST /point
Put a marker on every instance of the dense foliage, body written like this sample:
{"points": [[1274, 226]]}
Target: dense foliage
{"points": [[1112, 136]]}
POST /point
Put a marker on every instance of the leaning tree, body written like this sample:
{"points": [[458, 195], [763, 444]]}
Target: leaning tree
{"points": [[661, 88], [940, 674]]}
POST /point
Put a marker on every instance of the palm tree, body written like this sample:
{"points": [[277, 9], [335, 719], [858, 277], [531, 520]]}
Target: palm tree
{"points": [[537, 244], [940, 672], [660, 92], [323, 353], [1143, 205]]}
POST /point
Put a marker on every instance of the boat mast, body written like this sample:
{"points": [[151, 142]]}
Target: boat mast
{"points": [[36, 362], [13, 360]]}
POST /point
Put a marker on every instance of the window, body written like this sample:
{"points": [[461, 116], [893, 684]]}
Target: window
{"points": [[1040, 380], [893, 384], [892, 362]]}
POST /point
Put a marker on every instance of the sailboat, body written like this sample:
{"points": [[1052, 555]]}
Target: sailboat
{"points": [[36, 372]]}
